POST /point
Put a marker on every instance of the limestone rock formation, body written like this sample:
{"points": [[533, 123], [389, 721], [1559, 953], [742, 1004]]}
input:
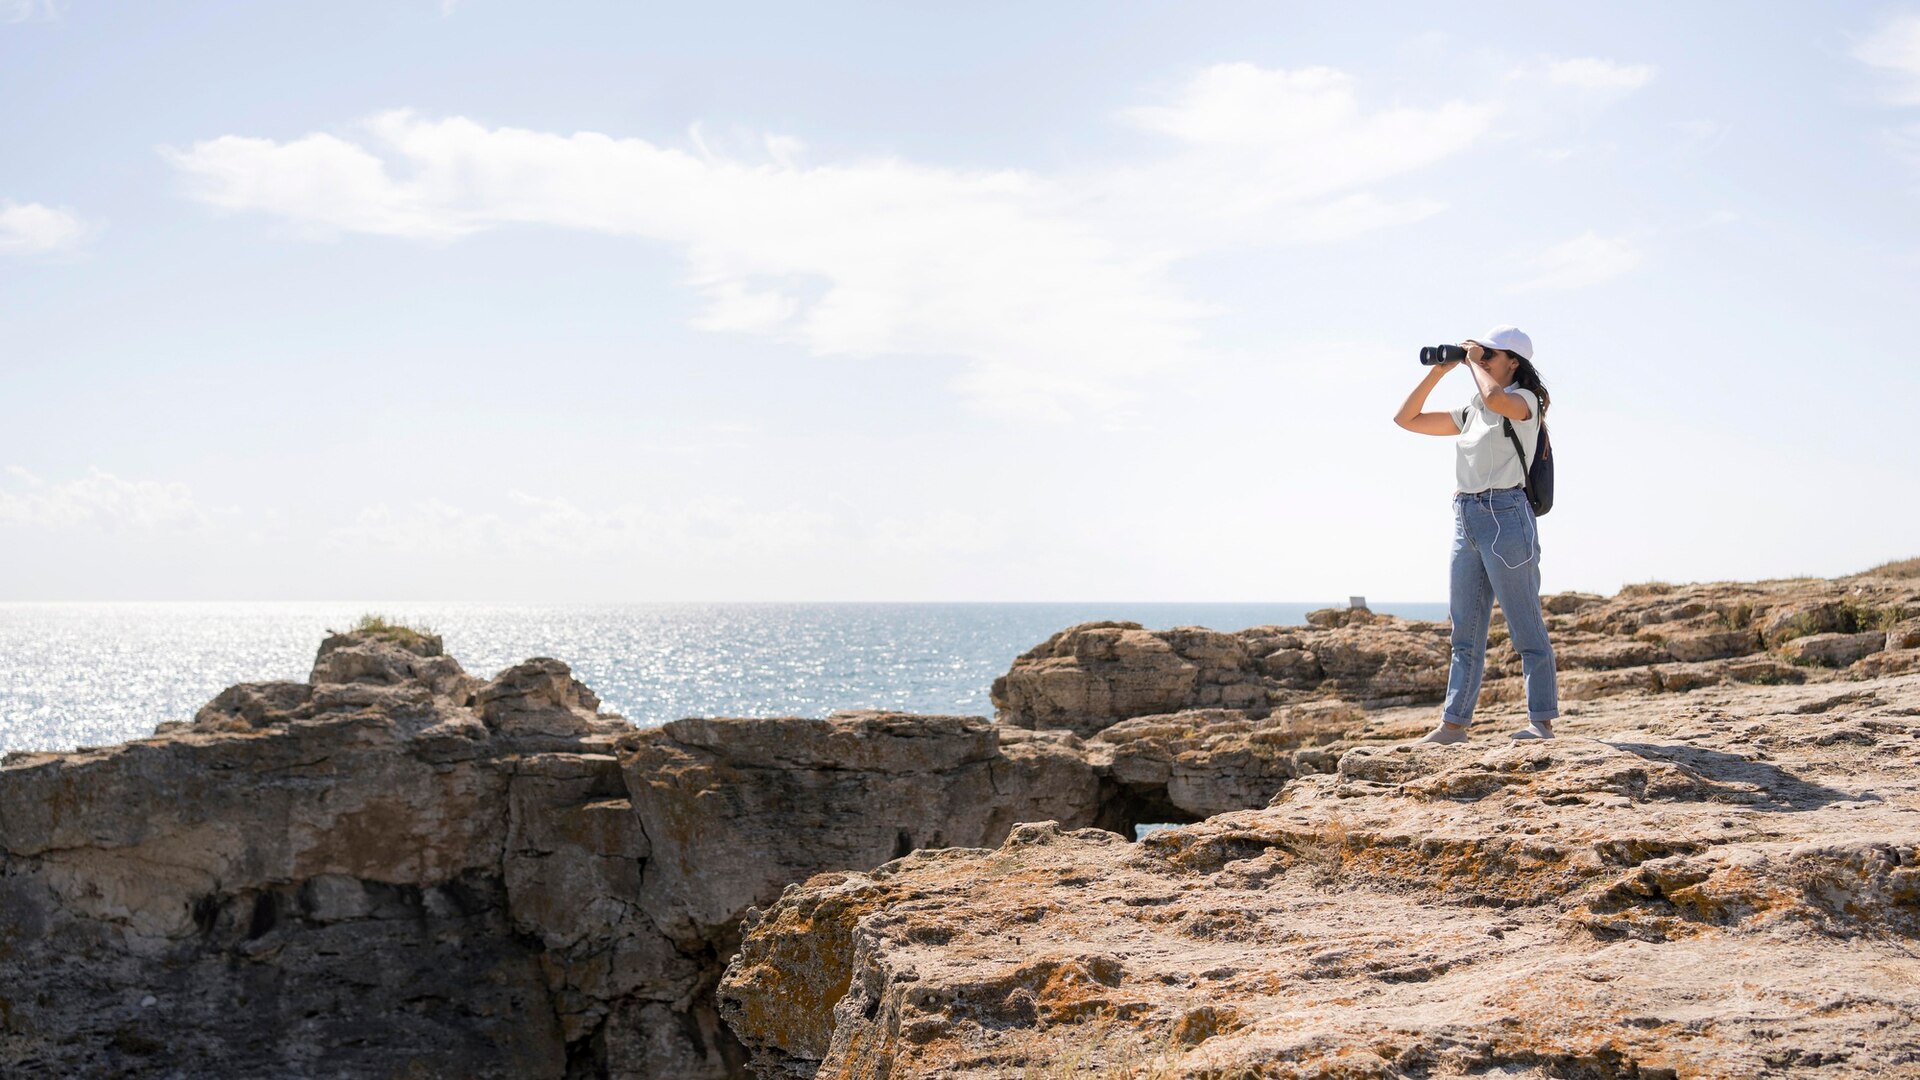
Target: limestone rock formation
{"points": [[739, 809], [397, 869], [1712, 873], [1721, 884], [1653, 638]]}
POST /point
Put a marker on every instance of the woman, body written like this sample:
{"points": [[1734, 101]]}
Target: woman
{"points": [[1496, 545]]}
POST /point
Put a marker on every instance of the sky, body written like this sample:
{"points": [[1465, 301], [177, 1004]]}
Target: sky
{"points": [[478, 300]]}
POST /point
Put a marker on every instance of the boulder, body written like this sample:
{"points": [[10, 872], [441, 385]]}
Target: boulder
{"points": [[1088, 676], [1833, 650], [387, 657], [1208, 761], [1607, 654], [1567, 603], [247, 706], [539, 697], [1904, 634], [1585, 685], [1697, 645], [1296, 668], [1887, 662]]}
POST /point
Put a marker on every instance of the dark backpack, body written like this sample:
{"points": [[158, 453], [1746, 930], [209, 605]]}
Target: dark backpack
{"points": [[1539, 481]]}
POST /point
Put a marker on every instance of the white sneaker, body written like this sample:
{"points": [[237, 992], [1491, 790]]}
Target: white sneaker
{"points": [[1446, 734], [1534, 730]]}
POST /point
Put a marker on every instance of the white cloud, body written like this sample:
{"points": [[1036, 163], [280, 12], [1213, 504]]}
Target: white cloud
{"points": [[1054, 288], [732, 306], [1304, 133], [324, 184], [101, 500], [1598, 76], [1587, 259], [1894, 50], [33, 229]]}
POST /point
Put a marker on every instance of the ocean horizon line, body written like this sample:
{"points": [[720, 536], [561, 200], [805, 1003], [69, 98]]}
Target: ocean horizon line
{"points": [[101, 671]]}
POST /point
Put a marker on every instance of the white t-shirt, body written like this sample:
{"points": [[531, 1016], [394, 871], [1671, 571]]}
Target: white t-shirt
{"points": [[1485, 458]]}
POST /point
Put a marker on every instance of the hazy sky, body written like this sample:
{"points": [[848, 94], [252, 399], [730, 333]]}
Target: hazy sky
{"points": [[489, 300]]}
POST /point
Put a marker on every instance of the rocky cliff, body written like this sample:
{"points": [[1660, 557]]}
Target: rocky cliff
{"points": [[398, 869], [1712, 873]]}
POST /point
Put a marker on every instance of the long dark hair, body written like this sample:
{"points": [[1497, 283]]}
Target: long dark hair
{"points": [[1529, 379]]}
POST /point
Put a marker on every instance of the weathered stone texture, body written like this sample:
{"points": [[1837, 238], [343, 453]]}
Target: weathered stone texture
{"points": [[397, 869], [1724, 884], [1653, 638], [739, 809], [400, 870]]}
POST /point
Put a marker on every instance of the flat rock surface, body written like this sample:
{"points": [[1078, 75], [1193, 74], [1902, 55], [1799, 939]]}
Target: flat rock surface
{"points": [[1710, 884]]}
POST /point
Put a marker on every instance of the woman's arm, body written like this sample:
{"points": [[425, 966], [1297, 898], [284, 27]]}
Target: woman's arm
{"points": [[1511, 406], [1427, 423]]}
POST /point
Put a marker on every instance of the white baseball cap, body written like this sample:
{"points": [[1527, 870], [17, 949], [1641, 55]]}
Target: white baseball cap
{"points": [[1511, 338]]}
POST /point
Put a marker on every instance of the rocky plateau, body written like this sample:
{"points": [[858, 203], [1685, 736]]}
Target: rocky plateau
{"points": [[398, 869]]}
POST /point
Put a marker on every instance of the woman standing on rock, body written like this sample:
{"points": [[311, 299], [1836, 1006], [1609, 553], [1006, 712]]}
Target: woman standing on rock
{"points": [[1496, 543]]}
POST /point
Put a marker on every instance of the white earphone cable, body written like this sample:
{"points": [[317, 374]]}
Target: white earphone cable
{"points": [[1486, 486]]}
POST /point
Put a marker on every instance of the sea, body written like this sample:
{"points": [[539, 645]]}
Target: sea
{"points": [[92, 674]]}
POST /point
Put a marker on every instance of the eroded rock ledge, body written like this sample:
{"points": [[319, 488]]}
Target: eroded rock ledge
{"points": [[1707, 875], [398, 869], [1654, 637]]}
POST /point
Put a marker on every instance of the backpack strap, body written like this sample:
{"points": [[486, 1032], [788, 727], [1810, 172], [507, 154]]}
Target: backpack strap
{"points": [[1525, 480]]}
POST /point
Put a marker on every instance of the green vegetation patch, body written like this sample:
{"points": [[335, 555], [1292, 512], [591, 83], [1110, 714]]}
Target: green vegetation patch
{"points": [[376, 625], [1735, 616], [1850, 616]]}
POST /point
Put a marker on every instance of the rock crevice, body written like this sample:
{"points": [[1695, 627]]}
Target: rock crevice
{"points": [[400, 869]]}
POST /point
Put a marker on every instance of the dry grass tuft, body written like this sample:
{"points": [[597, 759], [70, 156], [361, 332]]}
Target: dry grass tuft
{"points": [[1903, 568], [1323, 854]]}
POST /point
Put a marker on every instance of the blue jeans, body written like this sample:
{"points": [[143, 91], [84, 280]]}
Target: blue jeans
{"points": [[1496, 555]]}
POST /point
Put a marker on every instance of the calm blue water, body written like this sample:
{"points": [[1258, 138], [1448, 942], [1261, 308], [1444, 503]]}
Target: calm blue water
{"points": [[89, 674]]}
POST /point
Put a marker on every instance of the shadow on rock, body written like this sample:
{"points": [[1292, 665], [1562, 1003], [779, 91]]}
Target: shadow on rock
{"points": [[1737, 779]]}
